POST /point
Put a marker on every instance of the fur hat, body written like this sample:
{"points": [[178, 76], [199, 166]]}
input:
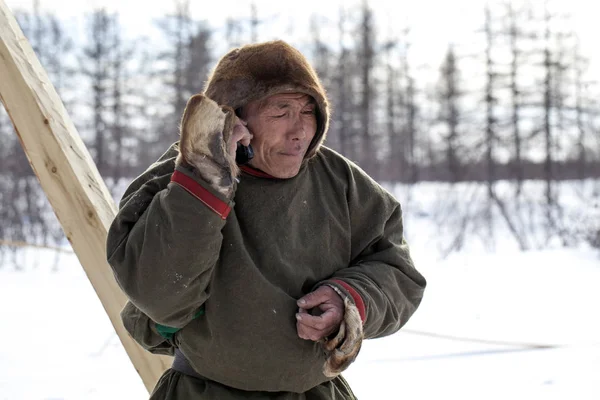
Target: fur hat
{"points": [[255, 71]]}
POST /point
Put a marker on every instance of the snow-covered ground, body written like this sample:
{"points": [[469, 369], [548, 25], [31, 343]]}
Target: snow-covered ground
{"points": [[474, 337], [510, 306]]}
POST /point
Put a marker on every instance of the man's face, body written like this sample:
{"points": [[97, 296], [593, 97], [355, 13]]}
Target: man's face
{"points": [[283, 126]]}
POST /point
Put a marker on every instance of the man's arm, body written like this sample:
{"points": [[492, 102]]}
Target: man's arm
{"points": [[386, 287], [166, 238], [163, 256], [382, 280], [380, 289]]}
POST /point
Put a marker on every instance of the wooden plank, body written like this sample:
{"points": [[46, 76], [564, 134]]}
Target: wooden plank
{"points": [[67, 174]]}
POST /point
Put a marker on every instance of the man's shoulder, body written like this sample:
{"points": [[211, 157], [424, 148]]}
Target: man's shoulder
{"points": [[165, 163], [353, 175], [157, 174], [168, 157], [330, 153], [333, 159], [341, 163], [329, 162]]}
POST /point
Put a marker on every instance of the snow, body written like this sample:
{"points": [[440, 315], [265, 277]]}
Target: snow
{"points": [[520, 299], [59, 344], [58, 341], [499, 324]]}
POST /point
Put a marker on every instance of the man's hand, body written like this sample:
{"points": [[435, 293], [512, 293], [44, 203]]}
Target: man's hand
{"points": [[209, 137], [325, 317], [240, 134]]}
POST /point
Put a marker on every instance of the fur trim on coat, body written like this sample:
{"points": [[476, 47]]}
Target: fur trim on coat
{"points": [[342, 349]]}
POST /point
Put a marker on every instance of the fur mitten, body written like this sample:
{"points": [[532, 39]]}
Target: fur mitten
{"points": [[342, 349], [205, 132]]}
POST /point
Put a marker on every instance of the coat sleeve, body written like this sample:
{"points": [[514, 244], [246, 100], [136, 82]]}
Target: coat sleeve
{"points": [[381, 279], [165, 241]]}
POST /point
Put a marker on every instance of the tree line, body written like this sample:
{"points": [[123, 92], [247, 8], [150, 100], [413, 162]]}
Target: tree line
{"points": [[516, 103]]}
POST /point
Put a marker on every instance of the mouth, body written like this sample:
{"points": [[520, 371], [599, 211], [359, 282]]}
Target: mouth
{"points": [[293, 153]]}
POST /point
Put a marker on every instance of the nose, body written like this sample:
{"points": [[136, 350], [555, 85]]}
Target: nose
{"points": [[298, 128]]}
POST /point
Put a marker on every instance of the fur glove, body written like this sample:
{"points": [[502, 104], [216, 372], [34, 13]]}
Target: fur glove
{"points": [[342, 349], [205, 132]]}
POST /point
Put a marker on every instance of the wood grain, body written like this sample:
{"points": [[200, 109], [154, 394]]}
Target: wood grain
{"points": [[67, 174]]}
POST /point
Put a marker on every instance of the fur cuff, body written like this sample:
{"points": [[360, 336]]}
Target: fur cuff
{"points": [[342, 349], [205, 132]]}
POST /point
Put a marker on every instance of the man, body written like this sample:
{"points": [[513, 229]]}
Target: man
{"points": [[261, 279]]}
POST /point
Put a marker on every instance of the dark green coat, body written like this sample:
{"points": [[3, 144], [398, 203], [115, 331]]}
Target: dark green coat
{"points": [[226, 289]]}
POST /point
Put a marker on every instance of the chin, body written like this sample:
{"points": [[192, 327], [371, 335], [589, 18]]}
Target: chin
{"points": [[285, 173], [280, 168]]}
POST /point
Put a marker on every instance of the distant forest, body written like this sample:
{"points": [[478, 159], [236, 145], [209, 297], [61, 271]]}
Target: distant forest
{"points": [[514, 104]]}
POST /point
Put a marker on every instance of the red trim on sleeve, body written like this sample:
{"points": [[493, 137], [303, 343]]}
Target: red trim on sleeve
{"points": [[195, 189], [360, 304]]}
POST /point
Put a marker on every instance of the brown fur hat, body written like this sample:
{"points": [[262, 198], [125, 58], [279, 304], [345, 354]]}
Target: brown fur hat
{"points": [[259, 70]]}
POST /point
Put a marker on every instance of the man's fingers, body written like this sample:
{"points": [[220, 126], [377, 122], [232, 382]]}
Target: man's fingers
{"points": [[308, 333], [316, 327], [313, 299], [240, 134], [303, 311], [323, 322], [246, 140]]}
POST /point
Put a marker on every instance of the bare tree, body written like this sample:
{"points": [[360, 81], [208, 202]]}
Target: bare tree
{"points": [[187, 61], [119, 115], [95, 66], [124, 94], [199, 59], [401, 110], [254, 22], [580, 65], [367, 54], [322, 57], [517, 33], [233, 32], [449, 97], [146, 129], [342, 128], [490, 121], [395, 157], [547, 126], [410, 109], [24, 209]]}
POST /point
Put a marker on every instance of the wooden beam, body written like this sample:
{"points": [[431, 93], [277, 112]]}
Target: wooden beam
{"points": [[67, 174]]}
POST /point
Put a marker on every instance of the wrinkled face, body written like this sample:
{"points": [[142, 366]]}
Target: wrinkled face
{"points": [[283, 126]]}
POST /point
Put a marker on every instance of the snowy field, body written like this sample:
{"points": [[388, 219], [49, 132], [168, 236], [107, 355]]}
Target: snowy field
{"points": [[485, 313], [499, 324]]}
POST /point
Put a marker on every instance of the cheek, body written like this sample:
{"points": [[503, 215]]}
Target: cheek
{"points": [[262, 139], [313, 129], [267, 135]]}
